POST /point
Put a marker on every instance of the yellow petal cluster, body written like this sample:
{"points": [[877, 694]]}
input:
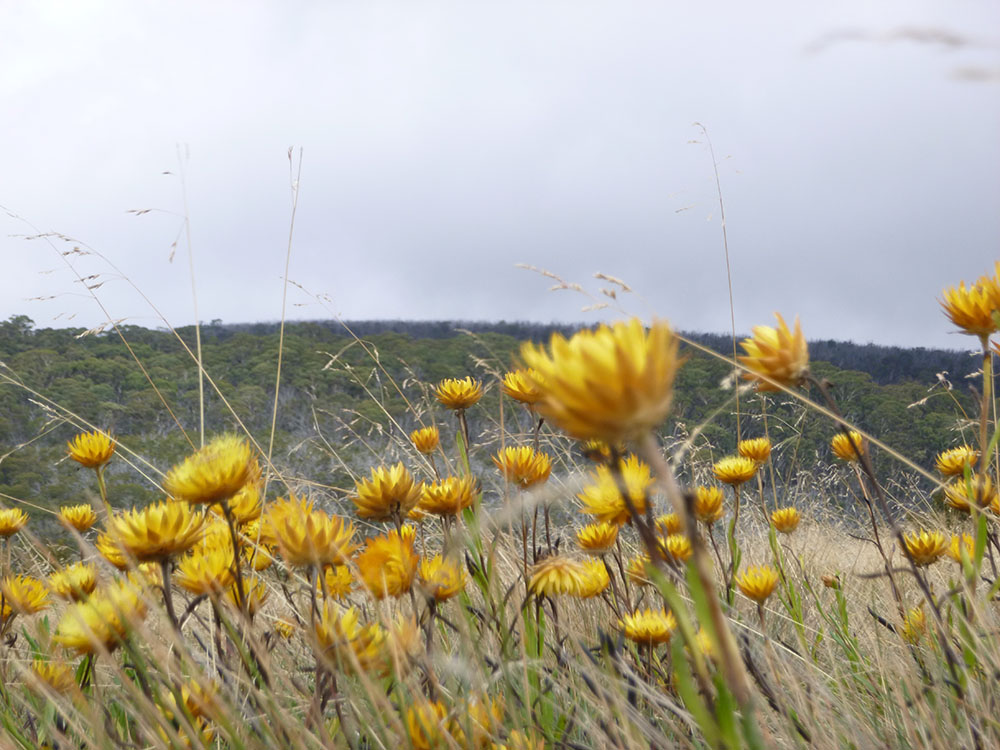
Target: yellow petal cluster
{"points": [[595, 579], [156, 532], [734, 470], [111, 551], [255, 592], [91, 449], [428, 726], [25, 595], [313, 537], [459, 393], [914, 625], [12, 520], [338, 581], [57, 676], [441, 578], [207, 571], [925, 547], [426, 439], [342, 637], [390, 492], [785, 520], [74, 582], [971, 308], [212, 474], [776, 353], [978, 492], [520, 386], [675, 548], [448, 496], [602, 498], [707, 505], [843, 446], [649, 627], [952, 462], [756, 449], [523, 465], [80, 517], [758, 582], [597, 538], [102, 621], [388, 563], [561, 576], [954, 550], [246, 505], [613, 383], [667, 524]]}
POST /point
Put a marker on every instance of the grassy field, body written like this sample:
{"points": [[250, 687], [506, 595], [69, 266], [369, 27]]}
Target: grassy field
{"points": [[570, 592]]}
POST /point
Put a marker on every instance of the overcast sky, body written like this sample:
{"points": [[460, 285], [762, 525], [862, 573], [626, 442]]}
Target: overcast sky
{"points": [[446, 142]]}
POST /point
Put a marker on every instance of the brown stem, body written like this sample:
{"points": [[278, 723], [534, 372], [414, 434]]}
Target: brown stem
{"points": [[168, 595]]}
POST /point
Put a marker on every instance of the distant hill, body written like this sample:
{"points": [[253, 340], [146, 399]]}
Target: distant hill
{"points": [[343, 400], [885, 364]]}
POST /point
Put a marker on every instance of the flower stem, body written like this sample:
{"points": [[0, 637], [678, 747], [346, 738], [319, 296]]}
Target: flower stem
{"points": [[984, 408], [168, 595]]}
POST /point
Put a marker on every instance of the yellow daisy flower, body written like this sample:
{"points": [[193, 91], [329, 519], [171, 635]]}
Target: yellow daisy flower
{"points": [[785, 520], [756, 449], [734, 470], [74, 582], [206, 571], [12, 520], [441, 578], [676, 548], [91, 449], [925, 547], [523, 466], [57, 676], [597, 538], [388, 564], [595, 579], [102, 621], [557, 575], [954, 550], [338, 580], [313, 538], [613, 383], [843, 446], [25, 595], [603, 500], [707, 505], [776, 353], [914, 625], [426, 439], [978, 491], [459, 393], [758, 582], [449, 496], [650, 628], [667, 524], [971, 307], [212, 474], [391, 491], [156, 532], [952, 462], [80, 517], [520, 386]]}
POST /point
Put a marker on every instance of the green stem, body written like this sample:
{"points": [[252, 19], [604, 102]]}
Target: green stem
{"points": [[984, 408], [237, 573], [103, 489]]}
